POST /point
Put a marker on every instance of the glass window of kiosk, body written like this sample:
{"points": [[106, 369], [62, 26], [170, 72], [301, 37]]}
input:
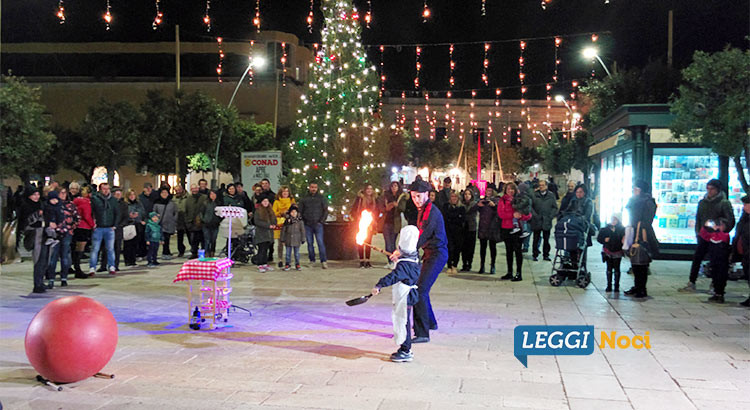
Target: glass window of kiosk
{"points": [[616, 186], [679, 178]]}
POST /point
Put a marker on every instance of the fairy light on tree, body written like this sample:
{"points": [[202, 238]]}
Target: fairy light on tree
{"points": [[382, 79], [335, 140], [108, 15], [61, 12], [368, 15]]}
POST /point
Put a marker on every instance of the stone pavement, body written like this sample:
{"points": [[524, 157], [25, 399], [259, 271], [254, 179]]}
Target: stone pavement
{"points": [[303, 348]]}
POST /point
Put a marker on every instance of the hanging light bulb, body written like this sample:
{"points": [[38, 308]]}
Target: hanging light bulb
{"points": [[207, 17], [256, 19], [158, 17], [425, 12], [61, 12], [108, 15]]}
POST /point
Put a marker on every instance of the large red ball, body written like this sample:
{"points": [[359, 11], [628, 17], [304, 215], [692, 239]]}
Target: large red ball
{"points": [[70, 339]]}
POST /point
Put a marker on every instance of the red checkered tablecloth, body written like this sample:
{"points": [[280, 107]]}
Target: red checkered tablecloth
{"points": [[195, 269]]}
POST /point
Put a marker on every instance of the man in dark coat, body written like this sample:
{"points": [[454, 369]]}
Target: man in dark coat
{"points": [[741, 242], [712, 207], [314, 210], [568, 196], [433, 241], [106, 212], [543, 211], [194, 206], [444, 196]]}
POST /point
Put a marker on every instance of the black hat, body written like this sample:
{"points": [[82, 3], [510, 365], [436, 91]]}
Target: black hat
{"points": [[715, 183], [745, 199], [420, 186], [642, 185]]}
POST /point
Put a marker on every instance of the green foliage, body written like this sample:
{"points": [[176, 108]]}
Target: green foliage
{"points": [[245, 136], [337, 141], [79, 160], [713, 106], [25, 140], [178, 126], [425, 152], [653, 84], [557, 155], [110, 131], [581, 160], [199, 162], [529, 156], [510, 161]]}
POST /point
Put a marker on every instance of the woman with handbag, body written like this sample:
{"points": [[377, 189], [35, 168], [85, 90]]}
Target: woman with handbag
{"points": [[511, 218], [136, 224], [642, 208]]}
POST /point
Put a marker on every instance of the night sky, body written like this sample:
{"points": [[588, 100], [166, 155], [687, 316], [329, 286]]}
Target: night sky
{"points": [[632, 32]]}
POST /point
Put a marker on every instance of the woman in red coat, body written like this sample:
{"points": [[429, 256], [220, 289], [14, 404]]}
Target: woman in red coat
{"points": [[509, 224], [82, 233]]}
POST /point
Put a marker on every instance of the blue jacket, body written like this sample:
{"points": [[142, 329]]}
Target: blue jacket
{"points": [[432, 236], [406, 272]]}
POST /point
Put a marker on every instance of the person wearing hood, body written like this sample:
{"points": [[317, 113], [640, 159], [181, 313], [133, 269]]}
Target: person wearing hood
{"points": [[611, 239], [153, 238], [32, 218], [712, 207], [64, 231], [180, 199], [434, 243], [405, 292], [469, 232], [642, 209], [281, 205], [543, 211], [105, 210], [293, 236], [167, 210], [365, 202]]}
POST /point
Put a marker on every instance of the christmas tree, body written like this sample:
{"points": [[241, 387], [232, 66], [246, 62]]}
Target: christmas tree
{"points": [[335, 141]]}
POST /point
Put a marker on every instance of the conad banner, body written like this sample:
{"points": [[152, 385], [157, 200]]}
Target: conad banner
{"points": [[259, 165]]}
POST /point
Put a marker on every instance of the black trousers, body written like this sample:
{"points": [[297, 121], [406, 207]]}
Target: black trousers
{"points": [[513, 245], [196, 241], [613, 267], [263, 252], [165, 249], [130, 251], [40, 256], [406, 346], [718, 254], [700, 253], [483, 251], [640, 277], [363, 251], [424, 318], [181, 242], [467, 248], [541, 236], [455, 242], [153, 251]]}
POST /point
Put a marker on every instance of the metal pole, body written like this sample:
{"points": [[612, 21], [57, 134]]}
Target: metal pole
{"points": [[670, 32], [177, 88], [276, 105], [603, 65], [218, 143]]}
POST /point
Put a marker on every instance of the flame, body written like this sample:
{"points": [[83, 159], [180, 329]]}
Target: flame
{"points": [[365, 221]]}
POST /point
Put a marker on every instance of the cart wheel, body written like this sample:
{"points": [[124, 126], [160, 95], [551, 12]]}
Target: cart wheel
{"points": [[555, 280], [583, 280]]}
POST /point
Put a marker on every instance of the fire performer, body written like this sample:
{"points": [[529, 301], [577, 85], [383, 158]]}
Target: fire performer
{"points": [[433, 241]]}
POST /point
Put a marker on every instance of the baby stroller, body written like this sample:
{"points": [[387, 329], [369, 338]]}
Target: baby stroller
{"points": [[243, 248], [571, 233]]}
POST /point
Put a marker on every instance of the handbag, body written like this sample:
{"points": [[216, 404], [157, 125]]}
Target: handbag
{"points": [[128, 232], [639, 253], [496, 231]]}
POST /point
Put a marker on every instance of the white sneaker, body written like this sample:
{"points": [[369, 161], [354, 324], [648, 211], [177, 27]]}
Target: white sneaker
{"points": [[112, 270], [324, 265], [262, 269], [92, 271], [515, 230]]}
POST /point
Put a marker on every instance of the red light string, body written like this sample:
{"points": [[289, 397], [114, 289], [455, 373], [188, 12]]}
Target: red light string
{"points": [[486, 65], [207, 16], [382, 79], [108, 16], [157, 17], [61, 12], [402, 120], [418, 66], [219, 68], [256, 19], [452, 79], [310, 17], [283, 64], [250, 69], [368, 15], [558, 43], [521, 74], [425, 12]]}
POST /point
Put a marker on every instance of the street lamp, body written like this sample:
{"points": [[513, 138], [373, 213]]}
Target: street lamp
{"points": [[591, 53], [258, 62]]}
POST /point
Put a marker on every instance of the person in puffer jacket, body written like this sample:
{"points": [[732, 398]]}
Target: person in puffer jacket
{"points": [[292, 236], [404, 280]]}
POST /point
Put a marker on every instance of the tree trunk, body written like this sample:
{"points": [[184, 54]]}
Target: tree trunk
{"points": [[741, 172], [111, 169]]}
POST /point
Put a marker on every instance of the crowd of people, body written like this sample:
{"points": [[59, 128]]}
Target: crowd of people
{"points": [[61, 223]]}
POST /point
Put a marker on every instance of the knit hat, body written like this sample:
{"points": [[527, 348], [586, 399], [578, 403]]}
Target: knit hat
{"points": [[523, 187], [617, 215], [420, 186], [53, 194], [715, 183], [407, 241], [152, 215], [293, 208]]}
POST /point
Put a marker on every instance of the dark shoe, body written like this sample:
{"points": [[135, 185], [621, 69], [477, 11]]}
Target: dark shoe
{"points": [[716, 299], [631, 291], [617, 289], [368, 265], [64, 283], [434, 327], [361, 265], [297, 267], [546, 258], [39, 290], [492, 270], [81, 275], [420, 339], [535, 259], [507, 276], [481, 270], [516, 278], [101, 270], [609, 288], [643, 294], [401, 356], [281, 265], [50, 284], [746, 303]]}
